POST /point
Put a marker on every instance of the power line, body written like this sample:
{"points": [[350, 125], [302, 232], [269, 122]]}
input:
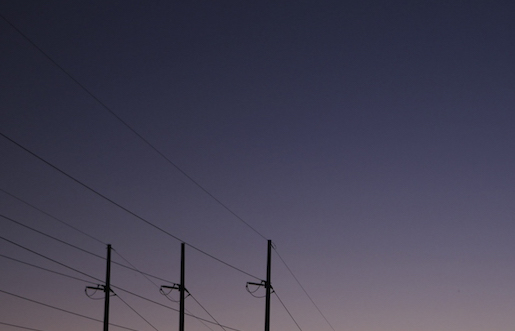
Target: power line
{"points": [[114, 287], [174, 309], [134, 310], [53, 217], [282, 303], [120, 206], [303, 289], [84, 250], [50, 259], [64, 310], [20, 327], [51, 237], [157, 286], [131, 128], [214, 319], [45, 269]]}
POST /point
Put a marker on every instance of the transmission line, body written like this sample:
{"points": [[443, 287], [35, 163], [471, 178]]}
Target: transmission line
{"points": [[134, 310], [51, 237], [20, 327], [303, 289], [53, 217], [214, 319], [282, 303], [84, 250], [113, 287], [64, 310], [50, 259], [120, 206], [45, 269], [148, 143]]}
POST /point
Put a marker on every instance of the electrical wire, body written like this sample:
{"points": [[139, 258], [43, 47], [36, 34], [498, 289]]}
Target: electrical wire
{"points": [[165, 294], [303, 289], [214, 319], [137, 270], [117, 288], [171, 308], [84, 250], [51, 237], [45, 269], [50, 259], [53, 217], [134, 310], [20, 327], [121, 207], [131, 128], [282, 303], [64, 310]]}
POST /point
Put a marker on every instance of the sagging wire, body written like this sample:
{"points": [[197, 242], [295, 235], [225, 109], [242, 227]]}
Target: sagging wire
{"points": [[170, 289], [257, 285]]}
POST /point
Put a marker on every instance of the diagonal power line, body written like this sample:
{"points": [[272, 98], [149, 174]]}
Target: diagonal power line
{"points": [[148, 143], [122, 207]]}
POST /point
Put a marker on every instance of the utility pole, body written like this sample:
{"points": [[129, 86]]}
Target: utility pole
{"points": [[106, 288], [267, 284], [182, 290]]}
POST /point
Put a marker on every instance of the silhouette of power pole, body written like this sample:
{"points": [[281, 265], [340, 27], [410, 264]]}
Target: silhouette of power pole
{"points": [[182, 289], [106, 288], [267, 284]]}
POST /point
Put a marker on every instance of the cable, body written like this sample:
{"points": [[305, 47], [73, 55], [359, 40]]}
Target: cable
{"points": [[53, 217], [137, 270], [120, 206], [282, 303], [214, 319], [118, 288], [174, 309], [131, 129], [50, 259], [64, 310], [51, 237], [303, 289], [20, 327], [134, 310], [83, 250], [45, 269]]}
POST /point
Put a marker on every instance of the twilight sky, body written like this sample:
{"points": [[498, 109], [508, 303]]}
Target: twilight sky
{"points": [[373, 142]]}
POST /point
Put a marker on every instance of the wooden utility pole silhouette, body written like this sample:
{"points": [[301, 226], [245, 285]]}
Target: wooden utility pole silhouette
{"points": [[106, 288], [267, 284], [182, 290]]}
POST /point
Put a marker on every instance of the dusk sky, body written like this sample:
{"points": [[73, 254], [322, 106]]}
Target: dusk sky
{"points": [[372, 141]]}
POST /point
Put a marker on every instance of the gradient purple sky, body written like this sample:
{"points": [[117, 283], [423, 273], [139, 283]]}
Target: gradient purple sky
{"points": [[372, 141]]}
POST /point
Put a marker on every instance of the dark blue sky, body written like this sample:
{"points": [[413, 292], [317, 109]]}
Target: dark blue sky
{"points": [[372, 142]]}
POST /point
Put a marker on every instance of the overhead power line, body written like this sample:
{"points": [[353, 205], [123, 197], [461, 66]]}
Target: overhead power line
{"points": [[51, 216], [114, 287], [20, 327], [86, 251], [303, 289], [45, 269], [51, 237], [136, 312], [64, 310], [50, 259], [120, 206], [284, 306], [148, 143]]}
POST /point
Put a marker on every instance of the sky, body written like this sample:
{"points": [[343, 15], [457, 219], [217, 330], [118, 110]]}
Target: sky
{"points": [[372, 141]]}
